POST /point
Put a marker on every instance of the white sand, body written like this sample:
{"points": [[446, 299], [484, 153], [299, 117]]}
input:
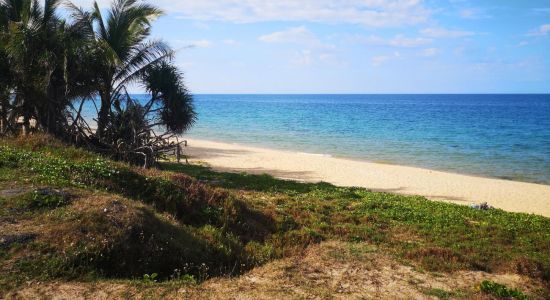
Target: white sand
{"points": [[463, 189]]}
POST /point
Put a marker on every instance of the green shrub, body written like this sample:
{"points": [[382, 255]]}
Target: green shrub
{"points": [[149, 279], [500, 290], [47, 199]]}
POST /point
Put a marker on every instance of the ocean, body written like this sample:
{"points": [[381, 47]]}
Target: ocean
{"points": [[502, 136]]}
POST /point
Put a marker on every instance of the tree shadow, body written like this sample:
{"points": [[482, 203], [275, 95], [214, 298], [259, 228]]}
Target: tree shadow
{"points": [[207, 153], [247, 181]]}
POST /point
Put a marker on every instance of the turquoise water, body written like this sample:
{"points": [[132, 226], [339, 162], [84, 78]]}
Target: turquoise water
{"points": [[504, 136]]}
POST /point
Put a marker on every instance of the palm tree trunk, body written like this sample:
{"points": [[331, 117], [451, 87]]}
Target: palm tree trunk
{"points": [[26, 124], [3, 114], [103, 114]]}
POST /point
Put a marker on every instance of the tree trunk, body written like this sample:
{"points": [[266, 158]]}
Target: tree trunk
{"points": [[3, 114], [26, 124], [103, 115]]}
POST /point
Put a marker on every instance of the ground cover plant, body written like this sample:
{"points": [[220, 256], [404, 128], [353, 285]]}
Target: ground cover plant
{"points": [[72, 215]]}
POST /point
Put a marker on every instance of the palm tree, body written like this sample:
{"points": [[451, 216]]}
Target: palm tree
{"points": [[5, 86], [174, 104], [27, 33], [39, 53], [121, 40], [5, 78], [47, 62]]}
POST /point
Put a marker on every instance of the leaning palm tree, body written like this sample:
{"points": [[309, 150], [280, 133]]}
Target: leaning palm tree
{"points": [[123, 49]]}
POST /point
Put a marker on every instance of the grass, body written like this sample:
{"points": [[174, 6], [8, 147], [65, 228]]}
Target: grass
{"points": [[187, 221], [441, 236], [441, 294]]}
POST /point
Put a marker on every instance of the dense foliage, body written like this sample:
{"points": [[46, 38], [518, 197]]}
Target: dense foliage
{"points": [[50, 66]]}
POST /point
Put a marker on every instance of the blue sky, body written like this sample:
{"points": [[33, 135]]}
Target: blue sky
{"points": [[359, 46]]}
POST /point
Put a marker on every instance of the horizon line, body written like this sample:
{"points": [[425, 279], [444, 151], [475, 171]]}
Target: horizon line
{"points": [[285, 93]]}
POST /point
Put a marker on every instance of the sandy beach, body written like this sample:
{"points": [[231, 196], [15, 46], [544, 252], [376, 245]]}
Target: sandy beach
{"points": [[462, 189]]}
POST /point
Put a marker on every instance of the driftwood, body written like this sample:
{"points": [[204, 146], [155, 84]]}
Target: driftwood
{"points": [[177, 151]]}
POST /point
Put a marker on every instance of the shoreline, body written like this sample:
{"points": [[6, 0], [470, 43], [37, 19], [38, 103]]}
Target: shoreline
{"points": [[509, 195], [517, 178]]}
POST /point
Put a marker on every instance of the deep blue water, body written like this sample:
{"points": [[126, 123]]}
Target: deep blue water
{"points": [[505, 136]]}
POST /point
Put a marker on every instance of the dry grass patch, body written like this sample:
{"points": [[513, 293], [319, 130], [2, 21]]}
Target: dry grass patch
{"points": [[330, 270]]}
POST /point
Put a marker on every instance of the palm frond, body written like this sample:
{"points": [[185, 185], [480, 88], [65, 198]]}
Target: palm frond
{"points": [[82, 21], [143, 55], [99, 18], [50, 8]]}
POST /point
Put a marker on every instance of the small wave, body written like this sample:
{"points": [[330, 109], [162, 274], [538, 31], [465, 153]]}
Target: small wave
{"points": [[315, 154]]}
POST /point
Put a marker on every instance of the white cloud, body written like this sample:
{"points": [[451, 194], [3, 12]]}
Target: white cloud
{"points": [[296, 35], [377, 61], [230, 42], [332, 60], [300, 35], [500, 64], [303, 58], [445, 33], [397, 41], [429, 52], [541, 31], [201, 25], [304, 37], [473, 14], [372, 13], [522, 44], [316, 50]]}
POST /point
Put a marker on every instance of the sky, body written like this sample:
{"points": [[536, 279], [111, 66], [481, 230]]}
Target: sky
{"points": [[358, 46]]}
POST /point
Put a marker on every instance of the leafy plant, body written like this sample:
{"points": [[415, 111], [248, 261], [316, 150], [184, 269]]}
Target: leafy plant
{"points": [[150, 279], [500, 290], [46, 198]]}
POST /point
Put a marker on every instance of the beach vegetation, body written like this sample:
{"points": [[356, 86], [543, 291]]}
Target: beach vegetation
{"points": [[51, 66], [111, 221], [501, 291], [441, 294]]}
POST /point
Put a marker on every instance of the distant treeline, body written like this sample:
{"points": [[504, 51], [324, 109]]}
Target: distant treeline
{"points": [[49, 66]]}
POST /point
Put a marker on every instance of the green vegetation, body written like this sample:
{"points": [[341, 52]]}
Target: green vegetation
{"points": [[104, 219], [441, 294], [51, 65], [441, 236], [502, 291]]}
